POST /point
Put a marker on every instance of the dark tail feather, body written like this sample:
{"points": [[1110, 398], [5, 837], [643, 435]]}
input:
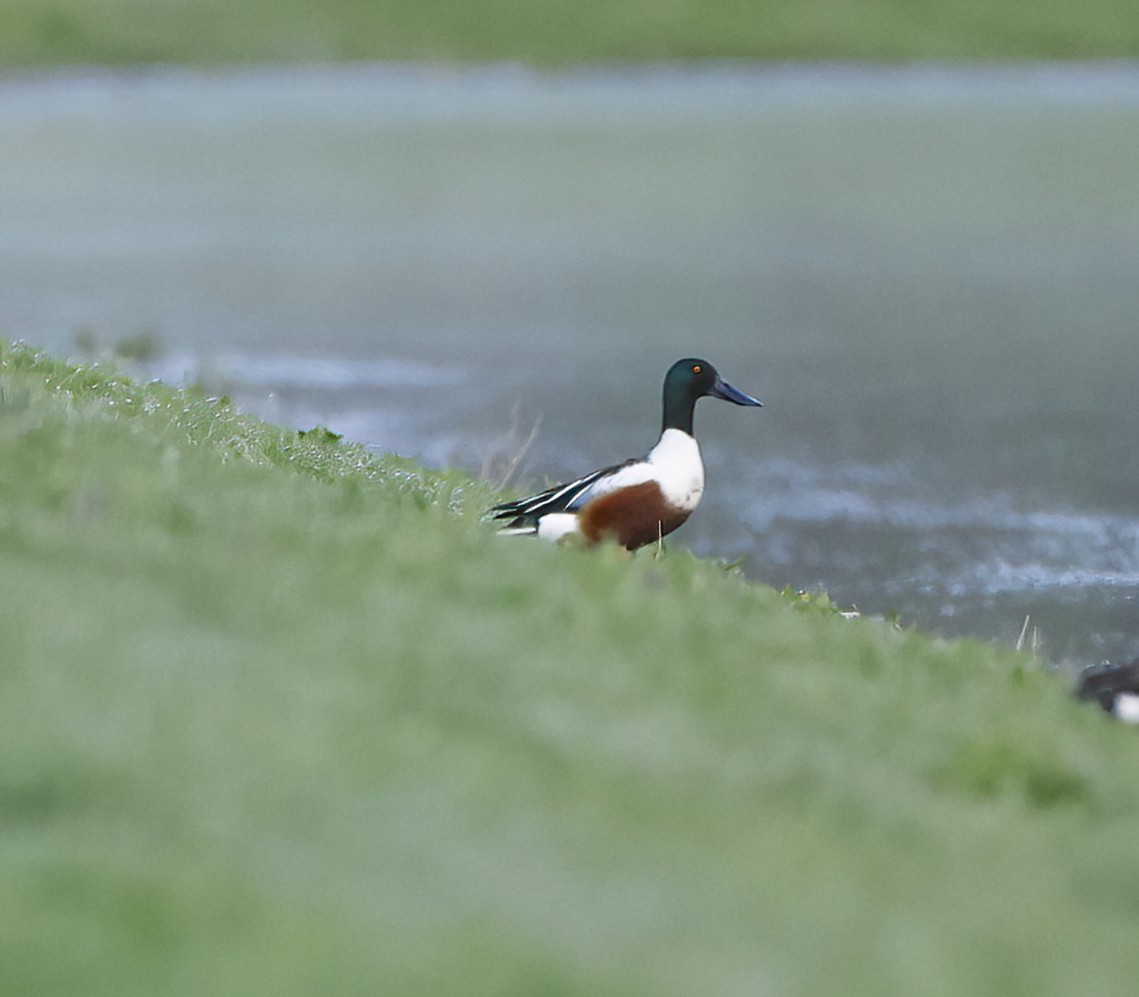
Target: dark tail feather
{"points": [[1106, 683]]}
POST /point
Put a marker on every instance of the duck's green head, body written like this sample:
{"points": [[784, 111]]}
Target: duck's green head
{"points": [[689, 380]]}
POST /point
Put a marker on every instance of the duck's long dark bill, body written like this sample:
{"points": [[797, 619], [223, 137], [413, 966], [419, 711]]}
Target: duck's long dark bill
{"points": [[721, 389]]}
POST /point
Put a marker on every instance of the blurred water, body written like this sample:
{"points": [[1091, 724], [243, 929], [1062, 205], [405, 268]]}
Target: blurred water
{"points": [[928, 274]]}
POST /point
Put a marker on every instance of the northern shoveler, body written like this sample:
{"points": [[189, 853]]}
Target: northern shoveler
{"points": [[639, 501]]}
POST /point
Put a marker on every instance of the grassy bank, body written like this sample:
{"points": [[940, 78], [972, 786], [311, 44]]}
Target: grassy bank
{"points": [[118, 32], [280, 716]]}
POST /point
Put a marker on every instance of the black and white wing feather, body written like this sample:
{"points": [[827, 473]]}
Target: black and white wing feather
{"points": [[522, 515]]}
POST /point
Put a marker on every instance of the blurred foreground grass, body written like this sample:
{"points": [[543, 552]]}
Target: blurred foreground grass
{"points": [[280, 716], [122, 32]]}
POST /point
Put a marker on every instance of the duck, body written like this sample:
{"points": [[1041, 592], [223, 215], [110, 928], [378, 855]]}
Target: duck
{"points": [[640, 501]]}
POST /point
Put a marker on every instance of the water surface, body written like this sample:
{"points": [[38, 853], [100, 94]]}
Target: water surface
{"points": [[929, 276]]}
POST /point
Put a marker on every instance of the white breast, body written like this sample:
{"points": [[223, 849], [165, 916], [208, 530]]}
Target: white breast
{"points": [[674, 463], [678, 469]]}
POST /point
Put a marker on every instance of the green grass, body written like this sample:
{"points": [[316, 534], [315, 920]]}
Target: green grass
{"points": [[47, 32], [279, 716]]}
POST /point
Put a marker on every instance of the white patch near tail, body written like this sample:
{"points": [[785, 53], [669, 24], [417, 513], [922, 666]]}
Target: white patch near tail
{"points": [[1126, 707], [555, 525]]}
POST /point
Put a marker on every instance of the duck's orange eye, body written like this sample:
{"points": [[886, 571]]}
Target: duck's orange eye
{"points": [[697, 369]]}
